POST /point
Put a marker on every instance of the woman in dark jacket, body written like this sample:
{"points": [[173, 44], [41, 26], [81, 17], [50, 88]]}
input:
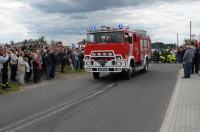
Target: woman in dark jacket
{"points": [[48, 64], [36, 68], [64, 59]]}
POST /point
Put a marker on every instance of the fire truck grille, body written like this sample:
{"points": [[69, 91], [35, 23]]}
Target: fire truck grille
{"points": [[102, 62], [102, 58]]}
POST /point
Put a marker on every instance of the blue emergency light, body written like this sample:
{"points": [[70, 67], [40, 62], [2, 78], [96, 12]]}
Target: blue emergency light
{"points": [[93, 28], [120, 26]]}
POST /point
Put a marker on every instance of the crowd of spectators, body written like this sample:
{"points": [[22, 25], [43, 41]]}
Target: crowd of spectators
{"points": [[29, 63], [187, 54], [191, 59]]}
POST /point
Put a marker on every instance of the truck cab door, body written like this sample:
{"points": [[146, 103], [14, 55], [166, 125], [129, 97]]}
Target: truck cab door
{"points": [[129, 41], [136, 48], [130, 44], [142, 50]]}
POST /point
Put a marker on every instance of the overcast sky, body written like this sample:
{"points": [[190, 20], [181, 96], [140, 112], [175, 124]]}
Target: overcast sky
{"points": [[67, 20]]}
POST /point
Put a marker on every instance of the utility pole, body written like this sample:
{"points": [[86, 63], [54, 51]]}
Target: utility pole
{"points": [[190, 31], [177, 39]]}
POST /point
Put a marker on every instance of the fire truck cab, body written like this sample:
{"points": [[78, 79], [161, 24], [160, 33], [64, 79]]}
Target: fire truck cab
{"points": [[117, 50]]}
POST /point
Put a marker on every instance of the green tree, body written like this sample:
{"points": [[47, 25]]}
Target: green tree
{"points": [[41, 40], [11, 42]]}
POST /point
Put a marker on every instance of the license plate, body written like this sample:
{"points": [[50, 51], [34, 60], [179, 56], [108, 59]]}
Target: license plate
{"points": [[102, 69]]}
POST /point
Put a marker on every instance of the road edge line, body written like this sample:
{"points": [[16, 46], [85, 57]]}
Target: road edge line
{"points": [[171, 104]]}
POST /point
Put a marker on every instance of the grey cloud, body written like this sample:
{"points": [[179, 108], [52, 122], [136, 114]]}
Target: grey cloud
{"points": [[78, 16], [55, 29], [54, 18], [77, 6]]}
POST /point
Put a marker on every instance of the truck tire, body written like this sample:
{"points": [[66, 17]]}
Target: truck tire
{"points": [[96, 75], [127, 75], [146, 67]]}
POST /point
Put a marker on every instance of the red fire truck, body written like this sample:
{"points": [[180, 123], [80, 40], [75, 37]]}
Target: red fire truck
{"points": [[117, 50]]}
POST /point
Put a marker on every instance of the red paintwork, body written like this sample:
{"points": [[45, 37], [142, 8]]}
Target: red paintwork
{"points": [[122, 48], [118, 48]]}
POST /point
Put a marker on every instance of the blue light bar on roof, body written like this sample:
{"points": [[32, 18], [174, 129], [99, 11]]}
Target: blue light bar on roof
{"points": [[93, 28]]}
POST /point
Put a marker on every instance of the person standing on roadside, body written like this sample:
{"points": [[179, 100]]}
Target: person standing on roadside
{"points": [[21, 68], [3, 57], [76, 59], [48, 64], [64, 59], [156, 56], [195, 64], [81, 59], [36, 68], [53, 59], [187, 61], [4, 60], [27, 70], [193, 61], [183, 52], [30, 62], [13, 66], [39, 60]]}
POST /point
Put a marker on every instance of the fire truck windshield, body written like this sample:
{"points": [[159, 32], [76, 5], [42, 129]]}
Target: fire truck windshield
{"points": [[105, 37]]}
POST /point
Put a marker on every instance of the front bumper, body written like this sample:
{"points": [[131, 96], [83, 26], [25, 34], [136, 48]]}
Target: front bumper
{"points": [[94, 66]]}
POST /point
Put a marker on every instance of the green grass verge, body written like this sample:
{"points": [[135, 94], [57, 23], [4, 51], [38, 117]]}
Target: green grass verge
{"points": [[14, 88]]}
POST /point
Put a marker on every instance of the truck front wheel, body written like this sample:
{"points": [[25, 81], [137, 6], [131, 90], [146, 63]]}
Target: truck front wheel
{"points": [[96, 75], [128, 73], [146, 66]]}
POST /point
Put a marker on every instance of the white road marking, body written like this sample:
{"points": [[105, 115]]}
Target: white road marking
{"points": [[171, 104], [111, 85], [50, 112]]}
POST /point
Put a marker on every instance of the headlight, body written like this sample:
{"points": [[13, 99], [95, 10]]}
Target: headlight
{"points": [[105, 54], [110, 54], [98, 54], [119, 63], [118, 58], [94, 54]]}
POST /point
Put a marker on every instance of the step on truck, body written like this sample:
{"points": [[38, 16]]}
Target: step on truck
{"points": [[115, 50]]}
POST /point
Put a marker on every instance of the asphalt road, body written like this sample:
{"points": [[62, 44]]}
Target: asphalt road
{"points": [[81, 104]]}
